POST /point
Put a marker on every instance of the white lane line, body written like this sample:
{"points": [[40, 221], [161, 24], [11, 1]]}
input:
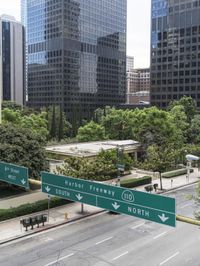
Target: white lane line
{"points": [[162, 234], [104, 240], [186, 205], [123, 254], [55, 261], [171, 257], [136, 226]]}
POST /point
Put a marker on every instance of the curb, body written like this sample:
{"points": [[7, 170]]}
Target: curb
{"points": [[51, 227], [175, 188]]}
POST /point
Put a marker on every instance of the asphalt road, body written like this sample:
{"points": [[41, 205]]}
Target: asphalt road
{"points": [[112, 240]]}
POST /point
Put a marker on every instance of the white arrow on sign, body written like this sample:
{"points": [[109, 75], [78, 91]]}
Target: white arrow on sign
{"points": [[115, 205], [47, 189], [163, 218], [23, 181], [79, 197]]}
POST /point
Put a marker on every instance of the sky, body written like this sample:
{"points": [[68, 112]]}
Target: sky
{"points": [[138, 27]]}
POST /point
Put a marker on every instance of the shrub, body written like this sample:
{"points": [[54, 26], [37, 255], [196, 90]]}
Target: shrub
{"points": [[176, 173], [134, 182], [30, 208]]}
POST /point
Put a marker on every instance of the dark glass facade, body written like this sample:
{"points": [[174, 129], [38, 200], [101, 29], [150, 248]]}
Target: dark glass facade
{"points": [[76, 54], [175, 51], [6, 60]]}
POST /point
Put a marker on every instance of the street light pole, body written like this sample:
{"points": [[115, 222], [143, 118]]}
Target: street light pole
{"points": [[160, 176], [119, 158]]}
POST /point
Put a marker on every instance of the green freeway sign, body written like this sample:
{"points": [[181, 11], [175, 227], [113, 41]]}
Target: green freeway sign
{"points": [[13, 174], [151, 207]]}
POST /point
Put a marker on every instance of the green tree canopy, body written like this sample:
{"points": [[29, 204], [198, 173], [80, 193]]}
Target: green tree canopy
{"points": [[58, 125], [36, 122], [103, 167], [23, 147], [154, 126], [180, 121], [91, 132], [194, 131], [118, 124], [189, 106]]}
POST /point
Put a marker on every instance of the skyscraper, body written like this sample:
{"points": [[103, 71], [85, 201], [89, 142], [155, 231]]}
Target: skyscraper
{"points": [[175, 51], [138, 85], [12, 59], [76, 54], [129, 63]]}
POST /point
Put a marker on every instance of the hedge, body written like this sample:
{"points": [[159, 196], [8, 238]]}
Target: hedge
{"points": [[176, 173], [29, 208], [134, 182]]}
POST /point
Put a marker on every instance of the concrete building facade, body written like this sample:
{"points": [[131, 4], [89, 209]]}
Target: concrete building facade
{"points": [[12, 60], [138, 86]]}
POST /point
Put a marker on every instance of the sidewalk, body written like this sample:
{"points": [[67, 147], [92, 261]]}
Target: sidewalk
{"points": [[175, 182], [13, 229]]}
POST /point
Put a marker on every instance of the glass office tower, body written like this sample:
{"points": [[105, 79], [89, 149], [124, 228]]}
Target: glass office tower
{"points": [[76, 54], [175, 51]]}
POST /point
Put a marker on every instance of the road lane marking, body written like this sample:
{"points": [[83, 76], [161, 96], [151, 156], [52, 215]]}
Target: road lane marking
{"points": [[123, 254], [48, 239], [56, 261], [104, 240], [136, 226], [162, 234], [171, 257], [186, 205]]}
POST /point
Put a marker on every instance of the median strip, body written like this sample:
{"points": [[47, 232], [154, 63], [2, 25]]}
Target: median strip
{"points": [[187, 220]]}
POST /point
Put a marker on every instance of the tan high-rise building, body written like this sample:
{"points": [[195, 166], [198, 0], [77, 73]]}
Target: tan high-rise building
{"points": [[138, 86]]}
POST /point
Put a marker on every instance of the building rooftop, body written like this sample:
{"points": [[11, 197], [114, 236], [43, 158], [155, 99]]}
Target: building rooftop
{"points": [[88, 149]]}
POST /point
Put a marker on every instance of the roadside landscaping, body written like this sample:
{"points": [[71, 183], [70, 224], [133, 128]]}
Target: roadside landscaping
{"points": [[29, 208], [176, 173], [134, 182]]}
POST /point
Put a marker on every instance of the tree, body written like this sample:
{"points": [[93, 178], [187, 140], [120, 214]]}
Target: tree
{"points": [[11, 105], [53, 124], [118, 124], [194, 131], [61, 126], [189, 106], [101, 168], [85, 169], [58, 126], [36, 122], [154, 127], [91, 132], [160, 159], [23, 147], [180, 121]]}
